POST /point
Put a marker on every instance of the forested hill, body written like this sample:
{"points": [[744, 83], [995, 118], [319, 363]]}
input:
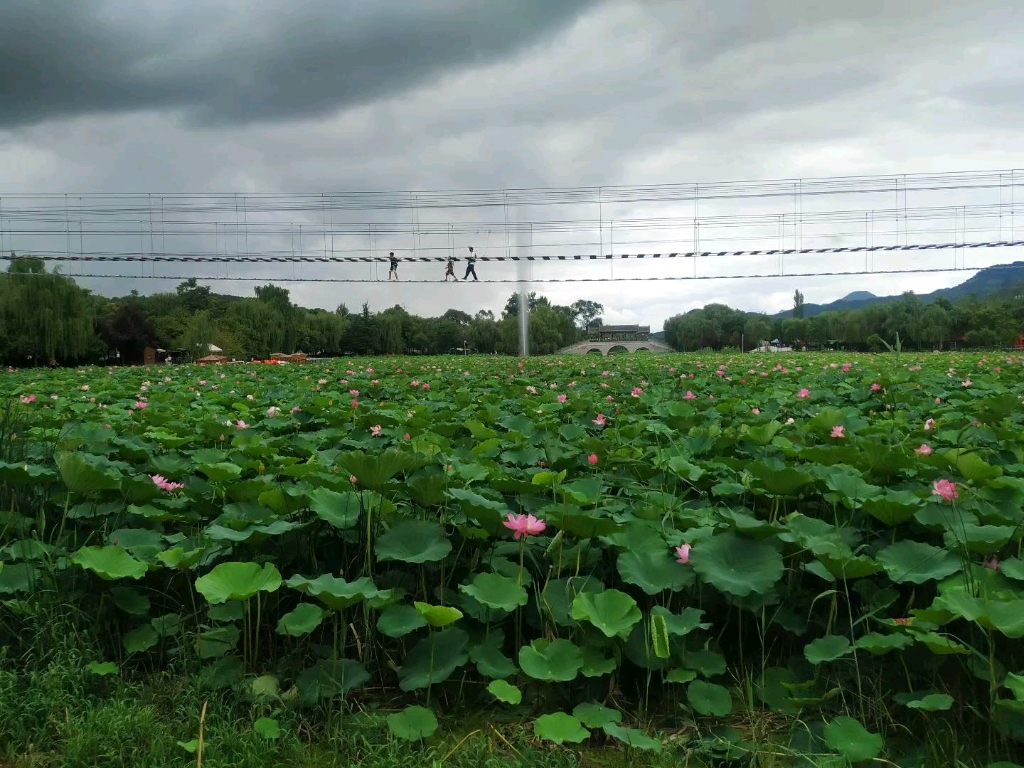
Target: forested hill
{"points": [[987, 282]]}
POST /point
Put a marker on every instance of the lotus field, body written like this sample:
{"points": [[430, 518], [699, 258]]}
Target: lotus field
{"points": [[675, 553]]}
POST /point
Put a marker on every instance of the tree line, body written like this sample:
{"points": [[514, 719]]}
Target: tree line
{"points": [[972, 322], [47, 318]]}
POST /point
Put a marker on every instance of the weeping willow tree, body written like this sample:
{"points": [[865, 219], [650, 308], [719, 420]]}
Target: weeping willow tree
{"points": [[198, 336], [45, 316]]}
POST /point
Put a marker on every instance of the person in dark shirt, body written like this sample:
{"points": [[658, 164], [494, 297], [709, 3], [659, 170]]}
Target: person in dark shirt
{"points": [[470, 265], [394, 266]]}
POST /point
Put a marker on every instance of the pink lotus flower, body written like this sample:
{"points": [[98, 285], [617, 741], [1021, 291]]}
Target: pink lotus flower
{"points": [[354, 392], [85, 387], [875, 387], [838, 431], [426, 385], [924, 450], [355, 403], [561, 398], [375, 430], [295, 409], [600, 420], [610, 399], [26, 399], [967, 383], [992, 563], [141, 405], [683, 554], [929, 424], [241, 424], [406, 436], [414, 383], [353, 479], [164, 484], [273, 411], [804, 393], [755, 411], [592, 459], [524, 525], [945, 489], [689, 396]]}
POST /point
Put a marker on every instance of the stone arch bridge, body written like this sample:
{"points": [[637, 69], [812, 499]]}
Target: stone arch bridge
{"points": [[615, 347]]}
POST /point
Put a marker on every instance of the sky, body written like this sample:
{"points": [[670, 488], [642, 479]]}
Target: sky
{"points": [[322, 97]]}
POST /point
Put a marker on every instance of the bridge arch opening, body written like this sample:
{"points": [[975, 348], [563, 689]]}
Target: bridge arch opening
{"points": [[595, 350], [642, 349], [618, 349]]}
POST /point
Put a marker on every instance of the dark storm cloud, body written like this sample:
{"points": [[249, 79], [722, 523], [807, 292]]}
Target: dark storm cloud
{"points": [[264, 60]]}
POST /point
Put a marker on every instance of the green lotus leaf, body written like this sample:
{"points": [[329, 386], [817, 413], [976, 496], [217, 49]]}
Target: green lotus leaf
{"points": [[413, 541], [707, 663], [220, 472], [877, 643], [828, 648], [613, 612], [585, 491], [560, 728], [110, 563], [595, 664], [166, 625], [489, 659], [933, 702], [496, 591], [238, 581], [633, 737], [596, 715], [400, 620], [489, 514], [709, 698], [375, 470], [339, 509], [84, 473], [505, 692], [301, 621], [329, 679], [654, 570], [333, 591], [268, 728], [413, 723], [681, 624], [916, 562], [433, 659], [892, 507], [438, 615], [556, 660], [852, 740], [737, 565], [779, 482], [141, 639], [102, 669], [214, 643], [558, 594], [130, 600], [1012, 568]]}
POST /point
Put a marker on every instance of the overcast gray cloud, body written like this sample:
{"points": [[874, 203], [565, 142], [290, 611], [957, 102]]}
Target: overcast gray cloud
{"points": [[235, 62], [320, 97]]}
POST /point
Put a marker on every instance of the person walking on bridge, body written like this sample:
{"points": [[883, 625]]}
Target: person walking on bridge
{"points": [[470, 265], [394, 266]]}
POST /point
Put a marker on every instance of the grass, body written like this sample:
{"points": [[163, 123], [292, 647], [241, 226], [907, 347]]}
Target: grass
{"points": [[55, 716]]}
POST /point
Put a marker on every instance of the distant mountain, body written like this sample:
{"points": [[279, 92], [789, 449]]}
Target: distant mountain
{"points": [[859, 296], [987, 282]]}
